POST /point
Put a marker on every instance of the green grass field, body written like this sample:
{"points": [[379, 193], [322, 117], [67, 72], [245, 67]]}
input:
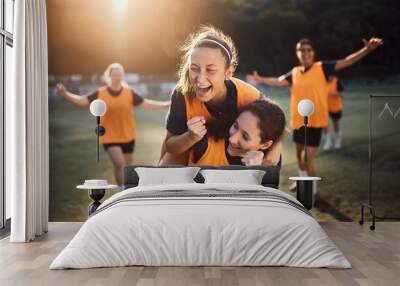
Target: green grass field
{"points": [[344, 172]]}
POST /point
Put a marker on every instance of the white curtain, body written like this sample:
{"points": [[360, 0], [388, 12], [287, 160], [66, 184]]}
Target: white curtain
{"points": [[27, 151]]}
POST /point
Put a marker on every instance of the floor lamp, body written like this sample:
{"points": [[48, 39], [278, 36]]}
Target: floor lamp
{"points": [[96, 188], [305, 108], [304, 185], [98, 108]]}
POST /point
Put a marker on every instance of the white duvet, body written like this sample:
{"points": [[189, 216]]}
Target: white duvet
{"points": [[185, 230]]}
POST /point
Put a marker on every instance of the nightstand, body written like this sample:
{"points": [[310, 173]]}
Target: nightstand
{"points": [[96, 191], [304, 190]]}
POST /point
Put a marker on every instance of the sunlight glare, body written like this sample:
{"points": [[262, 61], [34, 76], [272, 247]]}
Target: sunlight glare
{"points": [[120, 5]]}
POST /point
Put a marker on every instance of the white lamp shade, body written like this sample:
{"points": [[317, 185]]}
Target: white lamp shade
{"points": [[98, 107], [305, 107]]}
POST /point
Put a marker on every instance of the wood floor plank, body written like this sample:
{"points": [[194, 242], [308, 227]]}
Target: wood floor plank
{"points": [[374, 255]]}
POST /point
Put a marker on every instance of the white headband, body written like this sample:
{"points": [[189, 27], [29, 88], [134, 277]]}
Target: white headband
{"points": [[218, 44]]}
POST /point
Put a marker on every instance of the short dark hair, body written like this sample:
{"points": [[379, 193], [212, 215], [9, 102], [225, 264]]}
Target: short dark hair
{"points": [[305, 41], [271, 119]]}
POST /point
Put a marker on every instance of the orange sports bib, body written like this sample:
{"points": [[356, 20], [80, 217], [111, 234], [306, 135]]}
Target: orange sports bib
{"points": [[309, 85], [213, 156], [119, 118], [215, 153], [334, 101]]}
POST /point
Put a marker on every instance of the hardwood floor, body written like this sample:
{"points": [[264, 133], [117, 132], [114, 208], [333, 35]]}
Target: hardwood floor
{"points": [[374, 255]]}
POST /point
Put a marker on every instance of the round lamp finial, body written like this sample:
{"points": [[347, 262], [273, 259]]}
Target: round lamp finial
{"points": [[98, 107], [305, 107]]}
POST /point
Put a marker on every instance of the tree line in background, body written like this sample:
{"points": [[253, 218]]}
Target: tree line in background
{"points": [[265, 32]]}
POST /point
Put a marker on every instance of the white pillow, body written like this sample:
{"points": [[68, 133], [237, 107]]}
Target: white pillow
{"points": [[164, 176], [249, 177]]}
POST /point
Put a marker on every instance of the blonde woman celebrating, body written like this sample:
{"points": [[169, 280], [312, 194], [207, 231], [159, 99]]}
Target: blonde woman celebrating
{"points": [[119, 120], [207, 94]]}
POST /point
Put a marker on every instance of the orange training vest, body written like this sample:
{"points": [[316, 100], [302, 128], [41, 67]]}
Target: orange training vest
{"points": [[215, 153], [334, 101], [309, 85], [119, 117]]}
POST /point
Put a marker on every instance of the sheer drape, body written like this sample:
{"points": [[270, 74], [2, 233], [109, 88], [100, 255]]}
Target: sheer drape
{"points": [[27, 152]]}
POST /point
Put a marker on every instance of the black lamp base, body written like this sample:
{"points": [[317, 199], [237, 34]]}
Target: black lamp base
{"points": [[96, 195], [304, 193]]}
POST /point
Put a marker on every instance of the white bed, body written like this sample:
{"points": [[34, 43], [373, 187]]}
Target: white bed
{"points": [[201, 224]]}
